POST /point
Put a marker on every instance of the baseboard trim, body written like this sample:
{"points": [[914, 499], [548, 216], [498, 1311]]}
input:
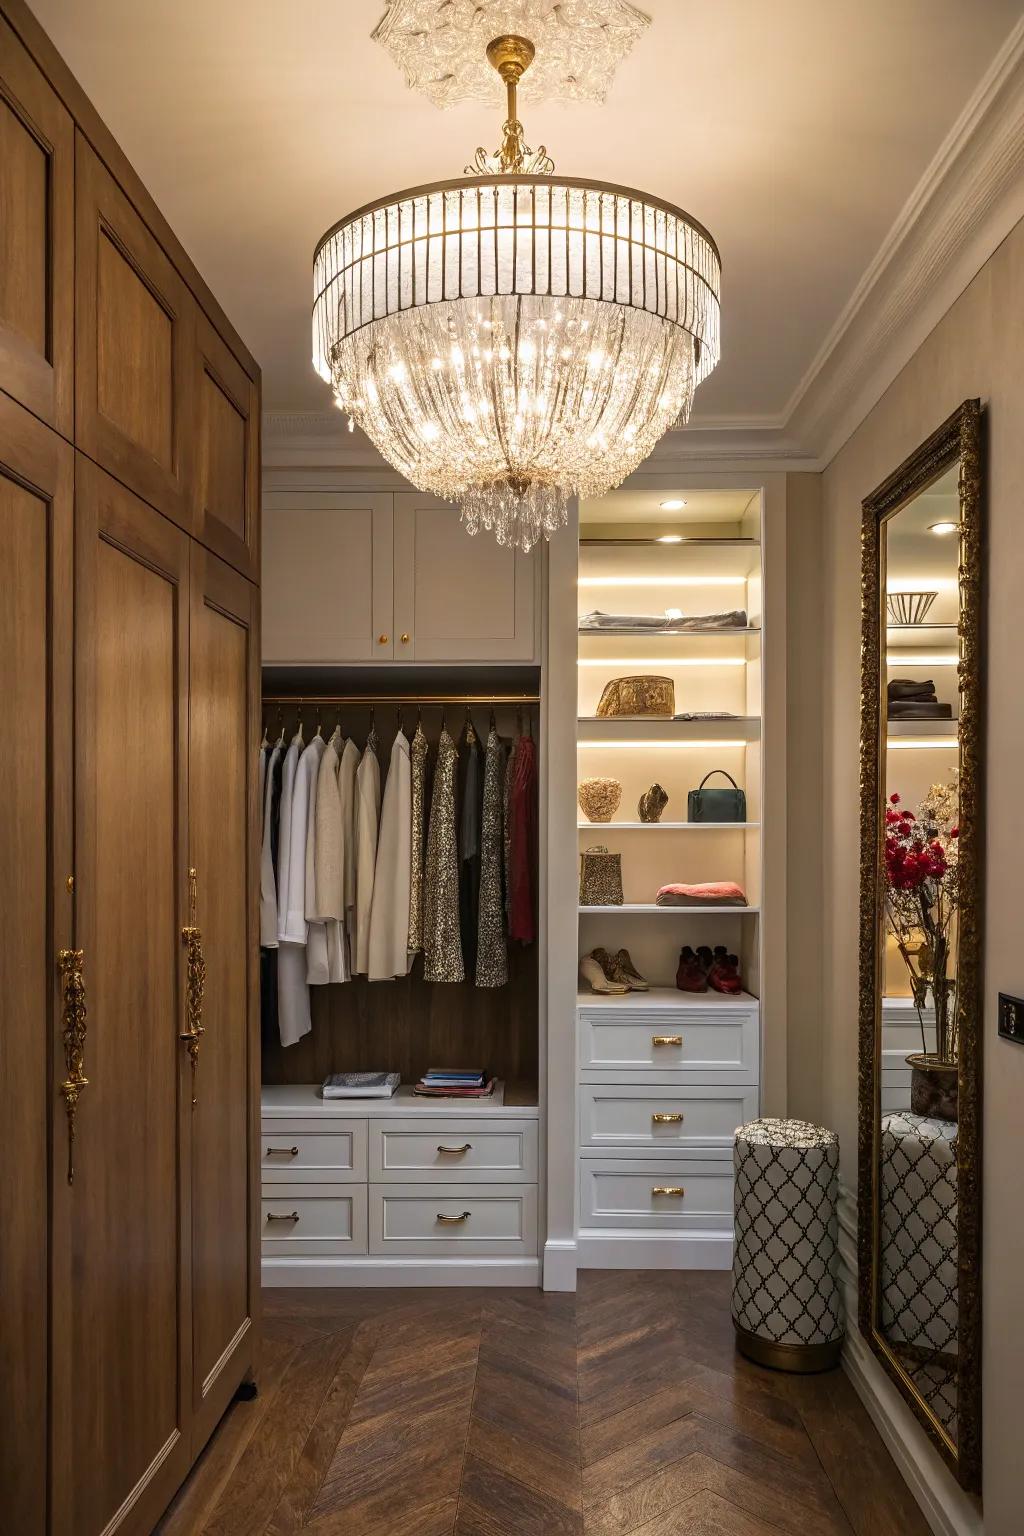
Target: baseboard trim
{"points": [[669, 1250], [561, 1260], [382, 1273]]}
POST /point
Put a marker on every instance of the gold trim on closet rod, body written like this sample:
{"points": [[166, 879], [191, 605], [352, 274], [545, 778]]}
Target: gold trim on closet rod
{"points": [[401, 698]]}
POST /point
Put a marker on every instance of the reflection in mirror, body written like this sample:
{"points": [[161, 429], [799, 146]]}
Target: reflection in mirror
{"points": [[918, 1192], [918, 1251]]}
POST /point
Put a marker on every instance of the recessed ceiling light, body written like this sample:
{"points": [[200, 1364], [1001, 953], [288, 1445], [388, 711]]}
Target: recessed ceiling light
{"points": [[676, 504], [670, 538], [943, 527]]}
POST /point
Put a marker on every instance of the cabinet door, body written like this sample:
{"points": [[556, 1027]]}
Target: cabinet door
{"points": [[458, 598], [227, 448], [36, 474], [121, 1374], [223, 733], [37, 232], [327, 577], [135, 338]]}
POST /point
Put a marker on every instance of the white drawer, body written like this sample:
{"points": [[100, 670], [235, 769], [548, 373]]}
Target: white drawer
{"points": [[720, 1045], [628, 1195], [294, 1151], [435, 1219], [303, 1219], [409, 1151], [701, 1120]]}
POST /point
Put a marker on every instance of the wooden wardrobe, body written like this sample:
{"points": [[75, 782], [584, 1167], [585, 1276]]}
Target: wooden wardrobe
{"points": [[129, 701]]}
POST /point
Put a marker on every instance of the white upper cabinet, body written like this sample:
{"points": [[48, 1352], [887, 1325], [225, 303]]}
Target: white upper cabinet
{"points": [[327, 578], [352, 579], [457, 598]]}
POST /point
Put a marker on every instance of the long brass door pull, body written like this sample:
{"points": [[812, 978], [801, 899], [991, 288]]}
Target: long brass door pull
{"points": [[74, 1024], [452, 1221], [195, 984]]}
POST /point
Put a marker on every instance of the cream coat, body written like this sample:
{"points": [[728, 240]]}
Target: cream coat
{"points": [[292, 992], [367, 823], [389, 917]]}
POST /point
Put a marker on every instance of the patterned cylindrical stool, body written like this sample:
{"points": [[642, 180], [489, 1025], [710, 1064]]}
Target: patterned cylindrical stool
{"points": [[787, 1304]]}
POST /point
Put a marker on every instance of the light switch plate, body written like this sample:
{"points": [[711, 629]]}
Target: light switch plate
{"points": [[1011, 1017]]}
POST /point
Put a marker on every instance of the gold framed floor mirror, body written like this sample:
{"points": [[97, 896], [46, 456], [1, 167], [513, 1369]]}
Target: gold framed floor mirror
{"points": [[922, 806]]}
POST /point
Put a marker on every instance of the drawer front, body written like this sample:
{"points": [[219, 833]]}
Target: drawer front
{"points": [[297, 1221], [722, 1047], [292, 1152], [406, 1151], [436, 1219], [694, 1195], [679, 1119]]}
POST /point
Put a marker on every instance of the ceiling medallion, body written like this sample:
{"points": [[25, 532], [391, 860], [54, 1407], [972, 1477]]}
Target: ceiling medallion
{"points": [[514, 338]]}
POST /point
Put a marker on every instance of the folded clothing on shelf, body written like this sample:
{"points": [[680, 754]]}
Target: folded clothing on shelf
{"points": [[455, 1083], [910, 700], [360, 1085], [905, 688], [711, 893], [672, 621]]}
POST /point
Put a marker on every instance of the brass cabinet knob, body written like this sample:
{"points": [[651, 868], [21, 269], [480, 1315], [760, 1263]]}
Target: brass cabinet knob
{"points": [[666, 1039], [452, 1221], [674, 1191], [382, 639], [405, 639], [666, 1119]]}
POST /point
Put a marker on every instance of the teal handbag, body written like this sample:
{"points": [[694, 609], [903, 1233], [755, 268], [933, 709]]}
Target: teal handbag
{"points": [[716, 804]]}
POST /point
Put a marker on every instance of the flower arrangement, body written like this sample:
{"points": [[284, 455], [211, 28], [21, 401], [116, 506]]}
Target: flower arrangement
{"points": [[922, 897]]}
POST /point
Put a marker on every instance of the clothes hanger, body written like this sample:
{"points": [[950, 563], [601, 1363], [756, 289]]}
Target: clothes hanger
{"points": [[319, 732], [471, 736], [280, 720], [492, 724], [298, 727]]}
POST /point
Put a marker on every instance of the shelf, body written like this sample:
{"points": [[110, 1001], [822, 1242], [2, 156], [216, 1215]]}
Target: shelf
{"points": [[651, 909], [682, 543], [666, 826], [629, 730], [705, 632], [922, 734], [292, 1100], [668, 998]]}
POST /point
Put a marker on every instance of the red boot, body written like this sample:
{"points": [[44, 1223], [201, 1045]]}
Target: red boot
{"points": [[724, 975], [691, 975]]}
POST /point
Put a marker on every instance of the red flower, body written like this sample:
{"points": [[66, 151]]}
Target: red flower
{"points": [[955, 832], [894, 799]]}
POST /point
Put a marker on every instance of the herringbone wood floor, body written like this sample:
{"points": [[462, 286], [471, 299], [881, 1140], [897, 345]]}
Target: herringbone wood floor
{"points": [[482, 1413]]}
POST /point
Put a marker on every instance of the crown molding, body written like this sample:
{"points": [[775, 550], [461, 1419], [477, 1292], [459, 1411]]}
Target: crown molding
{"points": [[966, 203]]}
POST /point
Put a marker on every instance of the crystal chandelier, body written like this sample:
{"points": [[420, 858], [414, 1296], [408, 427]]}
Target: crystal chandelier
{"points": [[514, 338]]}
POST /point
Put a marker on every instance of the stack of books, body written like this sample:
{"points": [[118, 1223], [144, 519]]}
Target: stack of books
{"points": [[455, 1083], [360, 1085]]}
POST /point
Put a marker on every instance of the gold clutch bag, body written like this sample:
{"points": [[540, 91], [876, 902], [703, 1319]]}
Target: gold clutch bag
{"points": [[600, 878], [645, 695]]}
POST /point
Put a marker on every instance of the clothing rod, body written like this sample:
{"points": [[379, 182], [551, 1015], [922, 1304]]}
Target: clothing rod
{"points": [[401, 698]]}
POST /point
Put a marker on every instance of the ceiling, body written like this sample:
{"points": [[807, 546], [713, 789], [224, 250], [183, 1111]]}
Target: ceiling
{"points": [[796, 132]]}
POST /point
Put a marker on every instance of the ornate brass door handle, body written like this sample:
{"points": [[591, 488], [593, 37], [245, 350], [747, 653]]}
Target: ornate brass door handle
{"points": [[666, 1119], [674, 1191], [194, 1029], [666, 1039], [73, 1019]]}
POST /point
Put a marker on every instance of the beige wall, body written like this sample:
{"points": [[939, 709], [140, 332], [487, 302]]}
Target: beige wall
{"points": [[977, 349]]}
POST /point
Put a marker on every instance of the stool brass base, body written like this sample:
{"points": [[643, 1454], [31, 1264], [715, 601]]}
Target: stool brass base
{"points": [[802, 1358]]}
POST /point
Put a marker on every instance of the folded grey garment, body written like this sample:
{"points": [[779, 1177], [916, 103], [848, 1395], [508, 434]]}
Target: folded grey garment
{"points": [[670, 622], [913, 709], [707, 714], [907, 688]]}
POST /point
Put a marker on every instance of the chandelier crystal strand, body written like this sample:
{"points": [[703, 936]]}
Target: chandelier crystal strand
{"points": [[511, 340]]}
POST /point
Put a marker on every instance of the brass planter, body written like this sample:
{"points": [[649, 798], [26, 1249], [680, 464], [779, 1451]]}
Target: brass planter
{"points": [[934, 1087]]}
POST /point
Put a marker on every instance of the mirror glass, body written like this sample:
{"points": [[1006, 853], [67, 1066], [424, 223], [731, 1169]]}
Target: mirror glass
{"points": [[917, 1110]]}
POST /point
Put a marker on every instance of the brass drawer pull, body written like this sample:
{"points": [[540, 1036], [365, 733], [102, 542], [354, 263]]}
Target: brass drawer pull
{"points": [[666, 1119], [272, 1216], [282, 1151], [666, 1039], [457, 1151], [674, 1191], [452, 1221], [195, 984], [73, 1024]]}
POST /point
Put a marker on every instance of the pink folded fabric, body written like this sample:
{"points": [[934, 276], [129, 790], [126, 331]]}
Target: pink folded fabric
{"points": [[712, 893]]}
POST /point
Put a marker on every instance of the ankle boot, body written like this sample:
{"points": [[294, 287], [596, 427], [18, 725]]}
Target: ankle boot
{"points": [[691, 976], [724, 975]]}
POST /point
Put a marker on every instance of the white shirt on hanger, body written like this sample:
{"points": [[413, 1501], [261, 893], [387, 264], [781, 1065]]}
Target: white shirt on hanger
{"points": [[268, 883], [292, 992], [317, 973], [388, 952], [347, 770], [330, 858], [367, 822]]}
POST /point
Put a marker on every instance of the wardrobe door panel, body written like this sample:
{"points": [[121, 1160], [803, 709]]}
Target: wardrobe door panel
{"points": [[126, 1369], [226, 487], [458, 597], [135, 334], [223, 732], [36, 474], [36, 239], [327, 578]]}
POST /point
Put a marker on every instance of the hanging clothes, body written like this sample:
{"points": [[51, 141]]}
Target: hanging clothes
{"points": [[264, 756], [268, 880], [522, 921], [492, 953], [330, 859], [292, 991], [316, 932], [442, 947], [418, 792], [347, 769], [367, 825], [389, 914], [470, 813], [506, 821]]}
